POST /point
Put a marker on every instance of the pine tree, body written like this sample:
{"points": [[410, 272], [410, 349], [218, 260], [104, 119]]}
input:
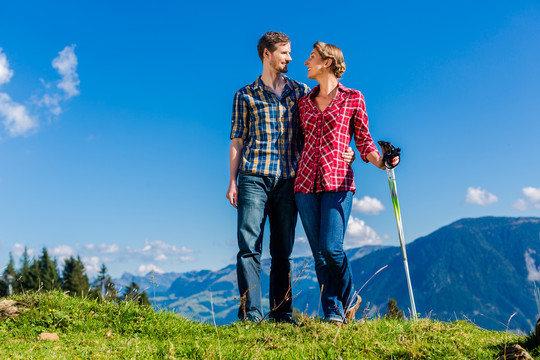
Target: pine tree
{"points": [[393, 312], [33, 281], [10, 269], [103, 286], [74, 278], [11, 275], [48, 271], [133, 293], [26, 282]]}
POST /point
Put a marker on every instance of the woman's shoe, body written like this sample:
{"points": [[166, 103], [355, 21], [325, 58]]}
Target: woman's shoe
{"points": [[353, 308]]}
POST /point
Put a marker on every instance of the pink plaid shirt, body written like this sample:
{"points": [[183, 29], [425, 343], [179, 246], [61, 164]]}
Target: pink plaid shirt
{"points": [[326, 136]]}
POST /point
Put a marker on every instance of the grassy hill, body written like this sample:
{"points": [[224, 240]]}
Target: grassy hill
{"points": [[91, 329], [475, 269]]}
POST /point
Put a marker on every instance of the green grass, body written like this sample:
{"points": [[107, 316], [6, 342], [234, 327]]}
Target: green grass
{"points": [[91, 329]]}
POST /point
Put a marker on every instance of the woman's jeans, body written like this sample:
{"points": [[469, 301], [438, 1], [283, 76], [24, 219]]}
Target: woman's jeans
{"points": [[260, 197], [325, 216]]}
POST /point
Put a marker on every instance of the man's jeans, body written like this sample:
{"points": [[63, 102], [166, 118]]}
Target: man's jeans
{"points": [[325, 216], [260, 197]]}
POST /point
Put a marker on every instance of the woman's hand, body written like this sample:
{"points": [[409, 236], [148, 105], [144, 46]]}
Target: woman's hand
{"points": [[377, 160], [348, 155]]}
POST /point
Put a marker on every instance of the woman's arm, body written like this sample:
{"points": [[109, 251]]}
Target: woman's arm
{"points": [[362, 137], [377, 160]]}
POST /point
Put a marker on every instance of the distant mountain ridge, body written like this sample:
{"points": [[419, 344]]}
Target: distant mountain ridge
{"points": [[478, 269]]}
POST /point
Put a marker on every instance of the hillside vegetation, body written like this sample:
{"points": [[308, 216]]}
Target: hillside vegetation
{"points": [[476, 269], [98, 329]]}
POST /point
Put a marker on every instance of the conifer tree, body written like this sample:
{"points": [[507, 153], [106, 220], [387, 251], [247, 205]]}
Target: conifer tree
{"points": [[34, 276], [26, 282], [48, 272], [104, 287], [393, 312], [74, 278], [11, 274], [10, 269], [133, 293]]}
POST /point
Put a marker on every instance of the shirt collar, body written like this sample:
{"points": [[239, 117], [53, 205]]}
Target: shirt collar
{"points": [[340, 88], [258, 84], [344, 89]]}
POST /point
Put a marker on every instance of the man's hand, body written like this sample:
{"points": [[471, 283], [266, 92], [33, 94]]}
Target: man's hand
{"points": [[235, 156], [232, 194], [348, 156]]}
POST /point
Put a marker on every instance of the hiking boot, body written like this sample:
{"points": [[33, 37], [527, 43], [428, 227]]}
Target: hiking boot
{"points": [[251, 318], [353, 308], [284, 320], [334, 319]]}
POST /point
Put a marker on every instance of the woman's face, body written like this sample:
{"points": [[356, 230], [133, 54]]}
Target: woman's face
{"points": [[315, 65]]}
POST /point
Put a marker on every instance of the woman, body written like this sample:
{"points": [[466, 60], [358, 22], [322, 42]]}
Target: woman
{"points": [[330, 115]]}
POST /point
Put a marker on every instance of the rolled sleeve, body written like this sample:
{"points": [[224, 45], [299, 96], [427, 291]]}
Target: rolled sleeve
{"points": [[362, 137], [240, 118]]}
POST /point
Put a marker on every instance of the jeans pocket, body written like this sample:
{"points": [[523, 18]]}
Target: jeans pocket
{"points": [[245, 178]]}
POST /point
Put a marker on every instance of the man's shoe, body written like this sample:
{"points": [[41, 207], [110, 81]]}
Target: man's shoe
{"points": [[252, 318], [285, 320], [353, 308]]}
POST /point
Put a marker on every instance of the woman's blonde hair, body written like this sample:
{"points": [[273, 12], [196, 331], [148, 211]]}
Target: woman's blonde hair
{"points": [[329, 51]]}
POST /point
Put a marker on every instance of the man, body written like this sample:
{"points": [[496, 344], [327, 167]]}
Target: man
{"points": [[264, 153]]}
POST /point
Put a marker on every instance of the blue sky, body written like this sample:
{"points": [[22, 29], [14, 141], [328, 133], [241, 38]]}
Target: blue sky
{"points": [[115, 117]]}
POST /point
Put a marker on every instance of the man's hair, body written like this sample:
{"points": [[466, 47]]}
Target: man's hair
{"points": [[329, 51], [270, 41]]}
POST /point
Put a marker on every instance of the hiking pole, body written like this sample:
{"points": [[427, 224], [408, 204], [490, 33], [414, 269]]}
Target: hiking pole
{"points": [[390, 152]]}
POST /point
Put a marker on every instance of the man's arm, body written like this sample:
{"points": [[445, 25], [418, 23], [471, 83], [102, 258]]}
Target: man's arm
{"points": [[235, 156]]}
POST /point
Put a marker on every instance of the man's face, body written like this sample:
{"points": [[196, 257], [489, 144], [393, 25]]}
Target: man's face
{"points": [[280, 57]]}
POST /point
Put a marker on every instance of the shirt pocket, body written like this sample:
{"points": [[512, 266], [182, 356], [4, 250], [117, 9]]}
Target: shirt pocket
{"points": [[264, 120]]}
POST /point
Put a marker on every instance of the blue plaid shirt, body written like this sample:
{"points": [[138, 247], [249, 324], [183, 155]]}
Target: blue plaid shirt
{"points": [[268, 125]]}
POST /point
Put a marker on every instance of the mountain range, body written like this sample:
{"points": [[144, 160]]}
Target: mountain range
{"points": [[482, 270]]}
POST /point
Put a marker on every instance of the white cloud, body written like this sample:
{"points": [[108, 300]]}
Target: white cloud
{"points": [[151, 252], [533, 271], [301, 239], [301, 247], [520, 205], [52, 102], [367, 205], [62, 252], [480, 196], [359, 234], [92, 265], [186, 259], [108, 249], [160, 251], [17, 120], [145, 269], [532, 198], [532, 194], [66, 65], [5, 72], [18, 249]]}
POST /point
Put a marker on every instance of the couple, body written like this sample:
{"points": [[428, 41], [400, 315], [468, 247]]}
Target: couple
{"points": [[290, 153]]}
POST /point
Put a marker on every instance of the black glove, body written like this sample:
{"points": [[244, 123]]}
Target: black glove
{"points": [[389, 153]]}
